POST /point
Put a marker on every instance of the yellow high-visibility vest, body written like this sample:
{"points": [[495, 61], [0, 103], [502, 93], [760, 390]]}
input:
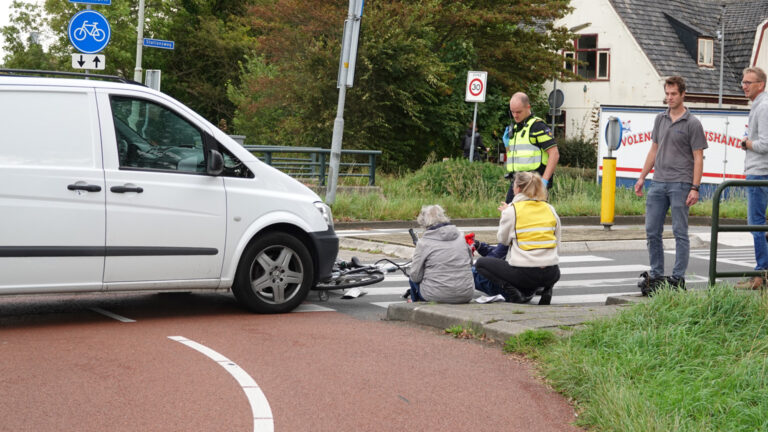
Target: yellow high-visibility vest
{"points": [[534, 225], [522, 154]]}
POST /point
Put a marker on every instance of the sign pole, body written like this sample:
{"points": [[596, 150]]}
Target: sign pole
{"points": [[472, 146], [475, 92], [139, 40], [338, 124]]}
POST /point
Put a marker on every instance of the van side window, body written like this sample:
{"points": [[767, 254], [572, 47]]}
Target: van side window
{"points": [[150, 136]]}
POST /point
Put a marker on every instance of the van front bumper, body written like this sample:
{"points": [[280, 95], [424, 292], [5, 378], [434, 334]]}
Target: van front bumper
{"points": [[327, 248]]}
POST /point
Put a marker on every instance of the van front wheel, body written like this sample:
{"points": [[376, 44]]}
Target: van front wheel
{"points": [[275, 274]]}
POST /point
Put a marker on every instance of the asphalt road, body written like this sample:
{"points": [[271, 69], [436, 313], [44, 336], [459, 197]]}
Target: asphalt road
{"points": [[199, 362]]}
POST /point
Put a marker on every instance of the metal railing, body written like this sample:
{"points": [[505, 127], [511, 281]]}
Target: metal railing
{"points": [[717, 228], [312, 162]]}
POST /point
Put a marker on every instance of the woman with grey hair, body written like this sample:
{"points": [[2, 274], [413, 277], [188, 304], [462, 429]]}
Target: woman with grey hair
{"points": [[442, 261]]}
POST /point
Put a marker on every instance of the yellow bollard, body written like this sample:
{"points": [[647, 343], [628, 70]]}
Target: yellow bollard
{"points": [[608, 198]]}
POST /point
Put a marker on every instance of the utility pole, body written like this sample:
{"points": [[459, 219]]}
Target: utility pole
{"points": [[722, 56]]}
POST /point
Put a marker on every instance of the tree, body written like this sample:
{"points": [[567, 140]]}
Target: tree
{"points": [[210, 40], [408, 96]]}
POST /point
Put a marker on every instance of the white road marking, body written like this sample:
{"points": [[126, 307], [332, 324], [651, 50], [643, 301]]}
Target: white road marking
{"points": [[309, 307], [739, 257], [604, 269], [262, 413], [583, 258], [386, 304], [112, 315]]}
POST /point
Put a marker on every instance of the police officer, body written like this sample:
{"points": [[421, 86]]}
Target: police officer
{"points": [[529, 143]]}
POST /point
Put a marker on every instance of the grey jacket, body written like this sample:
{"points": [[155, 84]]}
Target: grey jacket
{"points": [[442, 265], [756, 160]]}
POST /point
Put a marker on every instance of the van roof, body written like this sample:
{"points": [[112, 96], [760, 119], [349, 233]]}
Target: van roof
{"points": [[43, 74]]}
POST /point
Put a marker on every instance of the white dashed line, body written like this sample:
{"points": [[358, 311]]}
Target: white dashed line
{"points": [[112, 315], [262, 413]]}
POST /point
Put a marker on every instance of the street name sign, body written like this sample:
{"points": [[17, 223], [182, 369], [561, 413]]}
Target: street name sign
{"points": [[88, 61], [158, 43], [93, 2], [89, 31], [476, 81]]}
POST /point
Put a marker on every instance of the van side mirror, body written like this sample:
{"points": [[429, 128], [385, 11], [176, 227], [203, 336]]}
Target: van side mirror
{"points": [[215, 165]]}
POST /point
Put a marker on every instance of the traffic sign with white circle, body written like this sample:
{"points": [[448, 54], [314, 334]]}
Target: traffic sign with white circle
{"points": [[476, 86], [89, 31]]}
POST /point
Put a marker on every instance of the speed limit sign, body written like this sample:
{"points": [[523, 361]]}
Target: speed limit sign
{"points": [[476, 86]]}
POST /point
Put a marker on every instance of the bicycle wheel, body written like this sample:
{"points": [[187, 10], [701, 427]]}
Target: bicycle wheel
{"points": [[352, 280]]}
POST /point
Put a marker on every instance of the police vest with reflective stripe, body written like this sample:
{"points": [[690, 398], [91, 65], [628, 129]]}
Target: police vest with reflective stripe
{"points": [[534, 225], [522, 154]]}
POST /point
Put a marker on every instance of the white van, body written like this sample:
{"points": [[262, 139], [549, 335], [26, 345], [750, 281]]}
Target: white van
{"points": [[108, 186]]}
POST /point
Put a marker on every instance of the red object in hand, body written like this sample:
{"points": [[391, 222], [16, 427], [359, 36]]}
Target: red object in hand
{"points": [[470, 239]]}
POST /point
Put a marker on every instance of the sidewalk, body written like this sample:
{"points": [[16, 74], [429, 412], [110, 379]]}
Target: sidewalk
{"points": [[499, 321]]}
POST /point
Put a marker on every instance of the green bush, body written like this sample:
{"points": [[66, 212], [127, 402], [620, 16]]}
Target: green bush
{"points": [[460, 179], [577, 152]]}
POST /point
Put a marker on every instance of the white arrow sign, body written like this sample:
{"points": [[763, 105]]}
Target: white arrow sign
{"points": [[88, 61]]}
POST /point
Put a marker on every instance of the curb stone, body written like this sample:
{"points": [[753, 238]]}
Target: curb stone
{"points": [[498, 321]]}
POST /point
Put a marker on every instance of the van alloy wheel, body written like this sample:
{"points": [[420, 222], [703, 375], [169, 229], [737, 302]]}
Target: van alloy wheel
{"points": [[275, 274]]}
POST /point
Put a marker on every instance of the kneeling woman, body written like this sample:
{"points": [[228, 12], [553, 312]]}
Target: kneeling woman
{"points": [[531, 228], [442, 261]]}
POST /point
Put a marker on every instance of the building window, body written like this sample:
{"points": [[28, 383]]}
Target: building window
{"points": [[593, 62], [706, 49]]}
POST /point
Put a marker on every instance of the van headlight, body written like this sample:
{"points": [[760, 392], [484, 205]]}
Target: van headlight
{"points": [[325, 211]]}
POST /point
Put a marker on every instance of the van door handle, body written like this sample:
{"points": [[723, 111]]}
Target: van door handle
{"points": [[84, 187], [124, 189]]}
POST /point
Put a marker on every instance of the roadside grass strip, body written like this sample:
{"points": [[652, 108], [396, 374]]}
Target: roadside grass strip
{"points": [[473, 190], [683, 361]]}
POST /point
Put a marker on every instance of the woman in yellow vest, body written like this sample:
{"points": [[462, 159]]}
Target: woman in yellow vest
{"points": [[531, 228]]}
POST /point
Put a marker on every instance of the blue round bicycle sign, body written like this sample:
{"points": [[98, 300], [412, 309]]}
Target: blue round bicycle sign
{"points": [[89, 31]]}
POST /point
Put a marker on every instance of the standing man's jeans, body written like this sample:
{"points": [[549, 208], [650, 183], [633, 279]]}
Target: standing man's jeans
{"points": [[757, 202], [661, 197]]}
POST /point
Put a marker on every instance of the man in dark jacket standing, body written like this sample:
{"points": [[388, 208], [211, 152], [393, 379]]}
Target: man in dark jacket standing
{"points": [[466, 143]]}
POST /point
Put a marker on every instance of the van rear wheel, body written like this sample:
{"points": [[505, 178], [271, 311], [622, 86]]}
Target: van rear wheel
{"points": [[275, 274]]}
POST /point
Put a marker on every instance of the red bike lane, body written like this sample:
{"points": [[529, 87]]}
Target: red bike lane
{"points": [[314, 371]]}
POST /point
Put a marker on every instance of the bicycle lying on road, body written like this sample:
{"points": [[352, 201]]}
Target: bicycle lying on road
{"points": [[353, 273]]}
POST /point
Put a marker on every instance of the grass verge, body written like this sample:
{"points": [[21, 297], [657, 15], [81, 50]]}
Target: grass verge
{"points": [[683, 361], [474, 190]]}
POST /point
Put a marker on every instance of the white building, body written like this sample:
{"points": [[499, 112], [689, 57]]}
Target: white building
{"points": [[631, 46]]}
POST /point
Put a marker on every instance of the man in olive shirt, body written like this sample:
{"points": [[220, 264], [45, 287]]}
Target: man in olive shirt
{"points": [[677, 158]]}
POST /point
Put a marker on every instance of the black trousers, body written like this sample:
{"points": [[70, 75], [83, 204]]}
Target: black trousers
{"points": [[525, 279]]}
